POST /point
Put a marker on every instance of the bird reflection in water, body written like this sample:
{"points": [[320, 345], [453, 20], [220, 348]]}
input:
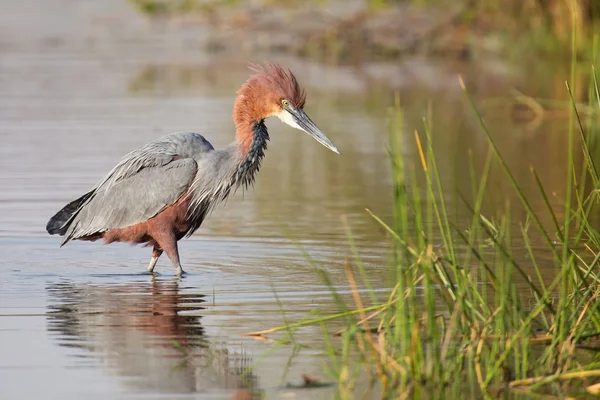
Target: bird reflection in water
{"points": [[148, 333]]}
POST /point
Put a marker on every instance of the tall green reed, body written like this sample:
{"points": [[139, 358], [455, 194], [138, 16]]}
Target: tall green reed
{"points": [[464, 313]]}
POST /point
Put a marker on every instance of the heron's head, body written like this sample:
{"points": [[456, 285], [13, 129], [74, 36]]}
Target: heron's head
{"points": [[272, 91]]}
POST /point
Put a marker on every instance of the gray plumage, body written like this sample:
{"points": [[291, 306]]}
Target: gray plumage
{"points": [[149, 179]]}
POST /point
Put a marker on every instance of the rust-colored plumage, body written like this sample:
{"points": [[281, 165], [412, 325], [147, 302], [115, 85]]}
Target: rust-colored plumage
{"points": [[162, 192], [260, 97]]}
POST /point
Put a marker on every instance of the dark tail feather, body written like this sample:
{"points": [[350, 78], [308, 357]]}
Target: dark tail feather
{"points": [[60, 222]]}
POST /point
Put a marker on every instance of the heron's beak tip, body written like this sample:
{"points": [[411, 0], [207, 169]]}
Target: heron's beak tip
{"points": [[303, 122], [324, 140]]}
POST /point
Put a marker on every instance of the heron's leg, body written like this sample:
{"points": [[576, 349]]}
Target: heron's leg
{"points": [[168, 243], [156, 252], [174, 257]]}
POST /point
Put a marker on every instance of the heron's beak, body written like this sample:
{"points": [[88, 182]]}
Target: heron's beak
{"points": [[297, 118]]}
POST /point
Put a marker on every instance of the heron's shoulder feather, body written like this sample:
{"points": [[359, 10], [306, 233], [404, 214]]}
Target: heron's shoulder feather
{"points": [[132, 199], [159, 152]]}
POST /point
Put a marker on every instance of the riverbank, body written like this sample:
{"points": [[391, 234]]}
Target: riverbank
{"points": [[357, 31]]}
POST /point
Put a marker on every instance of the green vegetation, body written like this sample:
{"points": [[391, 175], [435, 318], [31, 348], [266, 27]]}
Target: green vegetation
{"points": [[466, 316], [542, 26], [489, 332], [175, 7]]}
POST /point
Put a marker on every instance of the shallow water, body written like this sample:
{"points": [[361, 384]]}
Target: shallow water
{"points": [[84, 82]]}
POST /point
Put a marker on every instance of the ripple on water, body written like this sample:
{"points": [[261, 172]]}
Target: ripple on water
{"points": [[85, 321]]}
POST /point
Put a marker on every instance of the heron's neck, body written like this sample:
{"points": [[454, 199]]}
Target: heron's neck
{"points": [[252, 141]]}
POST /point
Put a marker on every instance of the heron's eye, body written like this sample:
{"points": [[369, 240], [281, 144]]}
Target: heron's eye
{"points": [[285, 103]]}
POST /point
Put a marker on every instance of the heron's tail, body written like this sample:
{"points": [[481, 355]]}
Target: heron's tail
{"points": [[60, 222]]}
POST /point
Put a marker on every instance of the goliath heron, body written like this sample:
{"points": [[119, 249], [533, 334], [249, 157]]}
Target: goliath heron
{"points": [[162, 192]]}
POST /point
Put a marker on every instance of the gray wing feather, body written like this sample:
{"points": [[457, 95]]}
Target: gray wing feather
{"points": [[157, 153], [133, 199], [143, 183]]}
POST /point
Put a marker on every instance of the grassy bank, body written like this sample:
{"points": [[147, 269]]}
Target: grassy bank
{"points": [[338, 31]]}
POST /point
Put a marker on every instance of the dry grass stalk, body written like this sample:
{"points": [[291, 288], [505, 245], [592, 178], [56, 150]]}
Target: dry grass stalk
{"points": [[363, 316], [551, 378]]}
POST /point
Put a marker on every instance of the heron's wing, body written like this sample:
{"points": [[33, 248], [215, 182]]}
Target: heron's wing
{"points": [[157, 153], [132, 198]]}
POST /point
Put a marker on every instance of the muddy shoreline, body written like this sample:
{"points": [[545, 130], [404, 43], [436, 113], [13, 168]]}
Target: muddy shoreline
{"points": [[335, 31]]}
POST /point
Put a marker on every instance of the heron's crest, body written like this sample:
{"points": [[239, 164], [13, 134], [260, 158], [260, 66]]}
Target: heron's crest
{"points": [[275, 78], [272, 83]]}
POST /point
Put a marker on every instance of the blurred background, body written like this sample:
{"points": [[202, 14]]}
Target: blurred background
{"points": [[82, 82]]}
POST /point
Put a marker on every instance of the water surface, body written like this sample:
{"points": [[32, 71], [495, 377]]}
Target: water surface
{"points": [[84, 82]]}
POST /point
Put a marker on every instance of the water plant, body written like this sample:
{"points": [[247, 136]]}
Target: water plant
{"points": [[468, 315]]}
